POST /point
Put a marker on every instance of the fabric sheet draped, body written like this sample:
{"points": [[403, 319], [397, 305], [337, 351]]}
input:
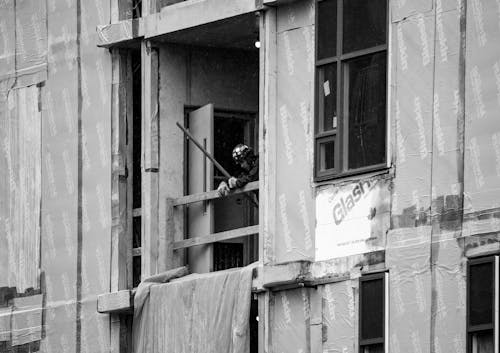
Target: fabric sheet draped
{"points": [[198, 313]]}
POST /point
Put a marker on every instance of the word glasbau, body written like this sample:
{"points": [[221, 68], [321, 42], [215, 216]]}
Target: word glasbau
{"points": [[343, 206]]}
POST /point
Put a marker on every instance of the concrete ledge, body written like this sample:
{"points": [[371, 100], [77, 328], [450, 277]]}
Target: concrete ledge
{"points": [[119, 33], [192, 13]]}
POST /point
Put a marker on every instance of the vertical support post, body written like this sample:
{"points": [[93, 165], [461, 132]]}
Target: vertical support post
{"points": [[149, 160], [267, 149], [121, 207], [149, 7], [496, 306], [267, 134], [386, 312], [316, 320]]}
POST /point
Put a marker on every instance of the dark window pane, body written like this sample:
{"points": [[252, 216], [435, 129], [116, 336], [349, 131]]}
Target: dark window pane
{"points": [[372, 309], [481, 289], [327, 96], [365, 24], [327, 155], [327, 29], [482, 342], [367, 110], [374, 348]]}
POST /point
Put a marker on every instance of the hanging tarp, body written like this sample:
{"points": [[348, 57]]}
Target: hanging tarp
{"points": [[199, 313]]}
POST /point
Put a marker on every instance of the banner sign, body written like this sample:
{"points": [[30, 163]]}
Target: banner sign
{"points": [[352, 219]]}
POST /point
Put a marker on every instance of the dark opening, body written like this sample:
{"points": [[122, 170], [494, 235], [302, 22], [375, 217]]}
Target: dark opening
{"points": [[371, 313], [135, 125], [481, 305]]}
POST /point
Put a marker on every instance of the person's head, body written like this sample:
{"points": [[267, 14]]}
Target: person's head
{"points": [[243, 156]]}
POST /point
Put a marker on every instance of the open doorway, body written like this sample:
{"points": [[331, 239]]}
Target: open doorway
{"points": [[228, 129]]}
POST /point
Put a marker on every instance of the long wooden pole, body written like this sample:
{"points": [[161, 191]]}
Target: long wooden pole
{"points": [[205, 152]]}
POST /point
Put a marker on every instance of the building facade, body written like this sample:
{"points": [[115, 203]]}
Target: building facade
{"points": [[374, 225]]}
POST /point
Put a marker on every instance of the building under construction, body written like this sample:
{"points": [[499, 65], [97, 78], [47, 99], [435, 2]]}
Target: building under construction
{"points": [[374, 225]]}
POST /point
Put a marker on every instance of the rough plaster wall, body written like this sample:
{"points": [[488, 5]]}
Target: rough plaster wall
{"points": [[295, 110], [290, 312]]}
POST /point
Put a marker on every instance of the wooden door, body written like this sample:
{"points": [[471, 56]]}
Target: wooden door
{"points": [[200, 179]]}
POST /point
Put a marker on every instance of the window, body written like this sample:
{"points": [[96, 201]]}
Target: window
{"points": [[351, 85], [372, 313], [482, 299]]}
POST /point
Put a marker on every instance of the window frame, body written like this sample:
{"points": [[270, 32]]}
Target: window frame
{"points": [[494, 326], [341, 88], [384, 276]]}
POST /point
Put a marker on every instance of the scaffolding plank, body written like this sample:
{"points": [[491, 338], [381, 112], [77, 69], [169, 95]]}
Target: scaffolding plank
{"points": [[115, 302], [184, 200], [215, 237]]}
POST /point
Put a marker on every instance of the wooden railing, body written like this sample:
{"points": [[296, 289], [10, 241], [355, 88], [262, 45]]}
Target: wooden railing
{"points": [[213, 237]]}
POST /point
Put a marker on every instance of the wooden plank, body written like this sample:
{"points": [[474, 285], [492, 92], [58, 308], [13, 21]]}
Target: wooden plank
{"points": [[149, 160], [187, 14], [149, 106], [215, 237], [121, 240], [120, 33], [116, 302], [267, 134], [27, 319], [136, 251], [210, 195]]}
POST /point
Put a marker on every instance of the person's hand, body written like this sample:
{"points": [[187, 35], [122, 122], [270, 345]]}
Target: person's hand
{"points": [[232, 182], [223, 189]]}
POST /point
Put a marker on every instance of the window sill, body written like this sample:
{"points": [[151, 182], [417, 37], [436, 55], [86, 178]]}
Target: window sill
{"points": [[353, 176]]}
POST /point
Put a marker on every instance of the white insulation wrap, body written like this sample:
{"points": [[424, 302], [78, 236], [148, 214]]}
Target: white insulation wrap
{"points": [[195, 314]]}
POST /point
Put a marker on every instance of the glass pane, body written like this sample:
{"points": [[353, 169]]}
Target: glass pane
{"points": [[374, 348], [481, 289], [327, 29], [328, 97], [372, 306], [482, 342], [327, 155], [367, 110], [365, 24]]}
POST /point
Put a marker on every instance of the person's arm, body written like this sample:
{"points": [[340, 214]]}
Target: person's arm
{"points": [[246, 178]]}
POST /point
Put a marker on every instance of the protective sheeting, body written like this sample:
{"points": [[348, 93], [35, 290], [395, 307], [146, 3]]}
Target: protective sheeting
{"points": [[482, 98], [339, 316], [290, 313], [195, 314], [294, 239], [21, 173], [23, 37]]}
